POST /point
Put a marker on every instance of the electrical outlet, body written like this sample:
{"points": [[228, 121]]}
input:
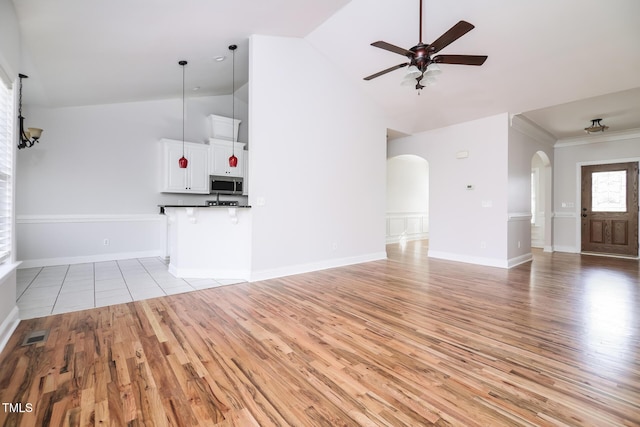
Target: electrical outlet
{"points": [[106, 242], [483, 245]]}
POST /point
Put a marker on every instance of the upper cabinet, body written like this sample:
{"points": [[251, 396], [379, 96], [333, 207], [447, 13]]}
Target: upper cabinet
{"points": [[192, 179], [219, 154]]}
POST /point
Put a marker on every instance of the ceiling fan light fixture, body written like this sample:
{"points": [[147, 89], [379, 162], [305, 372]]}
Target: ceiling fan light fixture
{"points": [[596, 126], [408, 80], [429, 80], [412, 72], [433, 70]]}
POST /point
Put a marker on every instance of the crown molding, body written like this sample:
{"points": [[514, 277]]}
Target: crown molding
{"points": [[594, 139], [527, 127]]}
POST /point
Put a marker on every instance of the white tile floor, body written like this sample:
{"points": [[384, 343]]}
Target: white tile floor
{"points": [[43, 291]]}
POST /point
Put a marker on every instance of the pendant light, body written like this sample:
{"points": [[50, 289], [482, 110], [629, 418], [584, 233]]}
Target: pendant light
{"points": [[182, 161], [233, 160], [31, 135]]}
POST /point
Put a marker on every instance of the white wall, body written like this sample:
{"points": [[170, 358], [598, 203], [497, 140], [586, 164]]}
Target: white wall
{"points": [[9, 39], [525, 140], [317, 164], [455, 211], [407, 184], [95, 175], [570, 156]]}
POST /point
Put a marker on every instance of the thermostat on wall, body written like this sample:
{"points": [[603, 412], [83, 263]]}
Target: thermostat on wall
{"points": [[462, 154]]}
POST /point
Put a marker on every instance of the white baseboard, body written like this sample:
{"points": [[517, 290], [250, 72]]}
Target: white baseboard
{"points": [[489, 262], [408, 238], [569, 249], [520, 260], [315, 266], [9, 324], [209, 273], [46, 262]]}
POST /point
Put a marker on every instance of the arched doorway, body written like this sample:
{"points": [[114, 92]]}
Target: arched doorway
{"points": [[541, 201], [407, 199]]}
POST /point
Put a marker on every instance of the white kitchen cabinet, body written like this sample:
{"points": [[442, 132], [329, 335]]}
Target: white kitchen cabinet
{"points": [[192, 179], [219, 153]]}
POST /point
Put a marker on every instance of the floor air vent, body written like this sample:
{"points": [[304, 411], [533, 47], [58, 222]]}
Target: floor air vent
{"points": [[36, 337]]}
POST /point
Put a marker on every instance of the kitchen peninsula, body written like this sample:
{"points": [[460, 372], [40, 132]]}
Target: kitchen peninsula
{"points": [[209, 241]]}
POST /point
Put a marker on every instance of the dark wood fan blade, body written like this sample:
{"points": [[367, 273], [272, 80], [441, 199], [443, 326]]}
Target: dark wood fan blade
{"points": [[453, 34], [392, 48], [460, 59], [388, 70]]}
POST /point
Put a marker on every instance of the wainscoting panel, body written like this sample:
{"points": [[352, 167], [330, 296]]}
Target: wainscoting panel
{"points": [[44, 240], [407, 225]]}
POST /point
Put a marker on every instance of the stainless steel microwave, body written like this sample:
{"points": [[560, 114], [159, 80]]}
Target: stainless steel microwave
{"points": [[225, 185]]}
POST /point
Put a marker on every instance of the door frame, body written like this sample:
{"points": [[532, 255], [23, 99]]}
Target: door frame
{"points": [[578, 201]]}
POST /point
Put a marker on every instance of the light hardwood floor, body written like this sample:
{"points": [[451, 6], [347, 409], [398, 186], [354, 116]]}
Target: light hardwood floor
{"points": [[408, 341]]}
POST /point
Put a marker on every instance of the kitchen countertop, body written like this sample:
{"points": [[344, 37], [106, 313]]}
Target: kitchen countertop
{"points": [[162, 207]]}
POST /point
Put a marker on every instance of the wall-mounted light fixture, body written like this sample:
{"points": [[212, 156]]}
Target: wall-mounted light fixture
{"points": [[31, 135]]}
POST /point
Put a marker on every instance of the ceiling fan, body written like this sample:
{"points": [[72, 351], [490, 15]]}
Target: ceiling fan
{"points": [[422, 62]]}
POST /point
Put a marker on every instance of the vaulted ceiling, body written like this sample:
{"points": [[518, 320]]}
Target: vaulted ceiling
{"points": [[559, 63]]}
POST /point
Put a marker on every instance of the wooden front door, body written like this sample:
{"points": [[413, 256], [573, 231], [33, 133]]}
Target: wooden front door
{"points": [[610, 209]]}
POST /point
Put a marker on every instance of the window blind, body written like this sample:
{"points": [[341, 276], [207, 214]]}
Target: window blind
{"points": [[6, 170]]}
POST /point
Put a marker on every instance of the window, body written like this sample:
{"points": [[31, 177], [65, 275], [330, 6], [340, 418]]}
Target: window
{"points": [[534, 194], [609, 191], [6, 168]]}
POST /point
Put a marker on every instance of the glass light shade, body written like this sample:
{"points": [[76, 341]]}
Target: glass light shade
{"points": [[233, 161], [429, 80], [34, 132], [183, 162], [433, 70], [413, 71], [408, 80]]}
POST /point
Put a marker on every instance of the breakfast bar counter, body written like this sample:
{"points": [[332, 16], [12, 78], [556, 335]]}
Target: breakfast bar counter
{"points": [[209, 241]]}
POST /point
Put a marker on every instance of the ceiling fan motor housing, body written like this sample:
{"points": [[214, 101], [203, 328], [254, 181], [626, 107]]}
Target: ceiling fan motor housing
{"points": [[420, 56]]}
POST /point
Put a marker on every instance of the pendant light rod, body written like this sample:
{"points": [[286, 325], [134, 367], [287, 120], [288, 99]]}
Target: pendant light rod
{"points": [[233, 160], [182, 161], [420, 34]]}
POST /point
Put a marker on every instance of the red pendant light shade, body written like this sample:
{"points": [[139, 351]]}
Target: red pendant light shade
{"points": [[182, 161], [233, 160]]}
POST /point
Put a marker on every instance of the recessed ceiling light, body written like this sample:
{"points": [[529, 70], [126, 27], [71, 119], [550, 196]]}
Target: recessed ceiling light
{"points": [[220, 58]]}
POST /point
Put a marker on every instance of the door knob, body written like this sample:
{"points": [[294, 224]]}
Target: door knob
{"points": [[584, 215]]}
